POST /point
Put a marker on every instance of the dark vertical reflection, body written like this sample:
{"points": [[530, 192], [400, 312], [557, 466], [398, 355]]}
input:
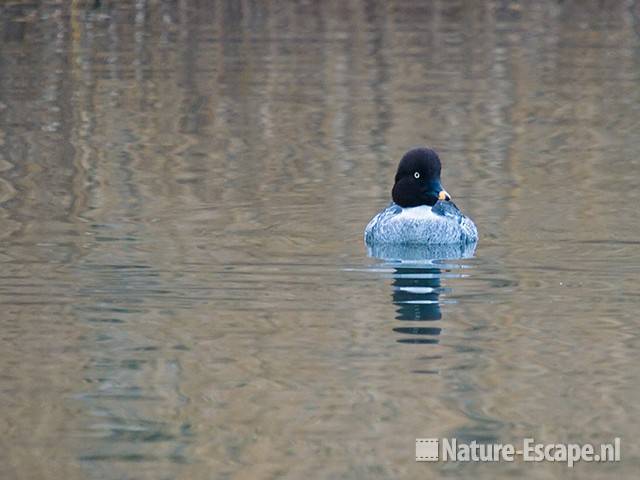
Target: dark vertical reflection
{"points": [[375, 16], [416, 294], [416, 286]]}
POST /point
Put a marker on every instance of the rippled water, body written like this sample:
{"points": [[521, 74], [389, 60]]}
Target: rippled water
{"points": [[183, 188]]}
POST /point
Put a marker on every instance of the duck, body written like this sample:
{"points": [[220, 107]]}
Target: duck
{"points": [[421, 211]]}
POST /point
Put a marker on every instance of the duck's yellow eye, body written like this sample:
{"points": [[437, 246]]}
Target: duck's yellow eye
{"points": [[416, 175]]}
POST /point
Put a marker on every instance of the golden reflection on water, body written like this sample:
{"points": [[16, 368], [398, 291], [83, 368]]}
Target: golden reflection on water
{"points": [[183, 189]]}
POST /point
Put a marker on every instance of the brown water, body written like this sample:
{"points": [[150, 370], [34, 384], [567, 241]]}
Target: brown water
{"points": [[184, 290]]}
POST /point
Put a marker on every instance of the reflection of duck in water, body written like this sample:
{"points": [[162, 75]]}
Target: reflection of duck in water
{"points": [[417, 287], [421, 212], [416, 292]]}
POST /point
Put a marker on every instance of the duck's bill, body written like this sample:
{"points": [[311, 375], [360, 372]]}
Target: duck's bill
{"points": [[444, 196]]}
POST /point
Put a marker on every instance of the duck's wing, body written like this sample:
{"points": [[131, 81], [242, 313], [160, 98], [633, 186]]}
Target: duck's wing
{"points": [[381, 217], [446, 209], [449, 210]]}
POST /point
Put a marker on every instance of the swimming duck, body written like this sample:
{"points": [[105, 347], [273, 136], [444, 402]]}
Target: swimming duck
{"points": [[421, 211]]}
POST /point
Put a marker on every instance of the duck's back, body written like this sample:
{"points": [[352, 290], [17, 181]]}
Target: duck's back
{"points": [[441, 224]]}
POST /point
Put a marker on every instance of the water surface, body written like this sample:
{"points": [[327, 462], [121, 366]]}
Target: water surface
{"points": [[184, 290]]}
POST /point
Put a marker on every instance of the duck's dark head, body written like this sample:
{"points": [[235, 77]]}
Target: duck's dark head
{"points": [[418, 179]]}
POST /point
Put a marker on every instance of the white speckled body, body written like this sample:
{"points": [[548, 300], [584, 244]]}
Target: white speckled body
{"points": [[441, 224]]}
